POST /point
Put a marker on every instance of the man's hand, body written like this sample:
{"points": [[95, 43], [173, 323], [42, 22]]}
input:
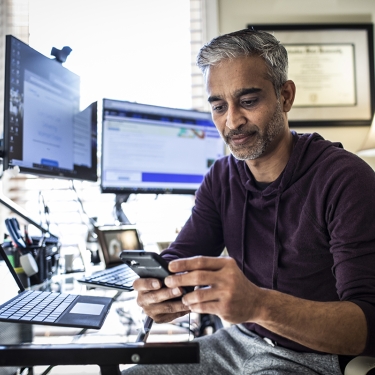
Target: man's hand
{"points": [[225, 291], [156, 300], [333, 327]]}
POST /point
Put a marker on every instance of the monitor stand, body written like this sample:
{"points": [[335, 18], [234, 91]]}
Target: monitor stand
{"points": [[22, 213], [120, 214]]}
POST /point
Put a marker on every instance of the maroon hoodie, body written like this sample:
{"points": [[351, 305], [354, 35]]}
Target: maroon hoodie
{"points": [[310, 234]]}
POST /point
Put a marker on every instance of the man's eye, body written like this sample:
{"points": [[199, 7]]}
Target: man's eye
{"points": [[218, 108], [248, 102]]}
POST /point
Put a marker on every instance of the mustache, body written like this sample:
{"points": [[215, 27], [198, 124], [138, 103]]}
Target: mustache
{"points": [[236, 132]]}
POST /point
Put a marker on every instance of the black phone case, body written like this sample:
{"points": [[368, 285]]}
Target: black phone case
{"points": [[145, 263]]}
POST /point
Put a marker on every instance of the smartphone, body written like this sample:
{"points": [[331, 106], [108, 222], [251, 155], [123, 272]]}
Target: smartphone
{"points": [[146, 263], [149, 265]]}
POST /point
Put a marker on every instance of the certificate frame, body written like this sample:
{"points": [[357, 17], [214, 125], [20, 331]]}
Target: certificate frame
{"points": [[320, 100]]}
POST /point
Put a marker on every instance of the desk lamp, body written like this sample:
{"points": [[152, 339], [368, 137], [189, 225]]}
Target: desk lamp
{"points": [[368, 147]]}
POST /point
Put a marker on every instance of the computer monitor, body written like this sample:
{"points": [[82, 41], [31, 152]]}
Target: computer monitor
{"points": [[153, 149], [45, 133]]}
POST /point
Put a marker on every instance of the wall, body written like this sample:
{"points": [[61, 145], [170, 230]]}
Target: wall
{"points": [[237, 14]]}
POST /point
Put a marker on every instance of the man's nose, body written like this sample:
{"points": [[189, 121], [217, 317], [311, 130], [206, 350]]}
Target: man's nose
{"points": [[235, 118]]}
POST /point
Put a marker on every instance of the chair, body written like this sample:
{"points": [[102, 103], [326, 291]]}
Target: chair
{"points": [[360, 365]]}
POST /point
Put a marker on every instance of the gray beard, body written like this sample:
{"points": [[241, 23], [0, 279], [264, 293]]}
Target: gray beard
{"points": [[262, 141]]}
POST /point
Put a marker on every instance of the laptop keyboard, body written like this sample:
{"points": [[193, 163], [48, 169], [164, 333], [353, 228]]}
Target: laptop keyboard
{"points": [[120, 277], [36, 306]]}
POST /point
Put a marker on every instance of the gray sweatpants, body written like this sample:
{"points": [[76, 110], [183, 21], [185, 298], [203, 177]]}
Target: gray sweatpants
{"points": [[237, 351]]}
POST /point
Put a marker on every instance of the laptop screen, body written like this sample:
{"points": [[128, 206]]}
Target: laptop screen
{"points": [[114, 239], [120, 240], [9, 287]]}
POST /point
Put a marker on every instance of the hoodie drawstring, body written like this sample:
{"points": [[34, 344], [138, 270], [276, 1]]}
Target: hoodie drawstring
{"points": [[244, 215], [277, 246]]}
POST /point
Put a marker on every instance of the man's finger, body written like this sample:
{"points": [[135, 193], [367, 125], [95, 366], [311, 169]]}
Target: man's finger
{"points": [[191, 279], [197, 263], [146, 284]]}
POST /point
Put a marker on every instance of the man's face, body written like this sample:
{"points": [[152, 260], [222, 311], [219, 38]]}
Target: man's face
{"points": [[245, 108]]}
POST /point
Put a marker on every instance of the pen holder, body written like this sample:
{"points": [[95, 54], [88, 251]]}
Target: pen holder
{"points": [[47, 258]]}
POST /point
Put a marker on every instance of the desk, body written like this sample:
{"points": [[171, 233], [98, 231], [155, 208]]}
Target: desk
{"points": [[107, 356], [113, 344]]}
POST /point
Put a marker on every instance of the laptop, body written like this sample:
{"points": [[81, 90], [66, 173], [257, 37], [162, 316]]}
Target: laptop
{"points": [[112, 240], [40, 307], [120, 278]]}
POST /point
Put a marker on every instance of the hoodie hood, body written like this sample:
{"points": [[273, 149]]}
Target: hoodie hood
{"points": [[302, 158], [307, 149]]}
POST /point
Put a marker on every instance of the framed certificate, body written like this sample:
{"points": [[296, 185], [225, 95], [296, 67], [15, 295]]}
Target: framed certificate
{"points": [[333, 69]]}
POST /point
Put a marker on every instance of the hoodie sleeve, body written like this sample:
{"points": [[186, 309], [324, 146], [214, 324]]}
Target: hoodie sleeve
{"points": [[351, 225]]}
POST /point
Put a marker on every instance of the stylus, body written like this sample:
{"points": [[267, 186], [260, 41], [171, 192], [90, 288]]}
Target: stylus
{"points": [[17, 229]]}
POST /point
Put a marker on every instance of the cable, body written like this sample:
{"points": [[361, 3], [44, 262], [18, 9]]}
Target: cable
{"points": [[47, 370], [92, 223], [45, 212], [91, 220], [126, 320]]}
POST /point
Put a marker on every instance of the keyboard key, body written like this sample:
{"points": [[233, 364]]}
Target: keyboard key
{"points": [[49, 319], [45, 305], [38, 318]]}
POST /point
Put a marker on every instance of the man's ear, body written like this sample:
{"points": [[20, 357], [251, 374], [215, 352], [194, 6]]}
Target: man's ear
{"points": [[287, 95]]}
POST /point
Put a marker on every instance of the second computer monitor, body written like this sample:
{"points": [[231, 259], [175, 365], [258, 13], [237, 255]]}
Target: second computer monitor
{"points": [[153, 149]]}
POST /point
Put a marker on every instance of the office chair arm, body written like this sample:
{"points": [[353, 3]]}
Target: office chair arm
{"points": [[360, 365], [107, 356]]}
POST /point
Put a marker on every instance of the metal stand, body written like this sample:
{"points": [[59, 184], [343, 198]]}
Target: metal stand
{"points": [[143, 334], [120, 214]]}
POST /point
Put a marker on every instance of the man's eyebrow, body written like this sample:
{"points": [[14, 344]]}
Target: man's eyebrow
{"points": [[251, 90], [237, 94], [214, 99]]}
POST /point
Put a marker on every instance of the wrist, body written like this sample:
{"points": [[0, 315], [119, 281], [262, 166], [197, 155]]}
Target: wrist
{"points": [[259, 306]]}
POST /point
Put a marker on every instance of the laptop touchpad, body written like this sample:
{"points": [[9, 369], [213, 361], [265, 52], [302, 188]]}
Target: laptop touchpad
{"points": [[87, 308]]}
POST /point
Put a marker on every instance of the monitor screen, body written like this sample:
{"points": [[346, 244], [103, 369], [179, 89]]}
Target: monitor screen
{"points": [[152, 149], [45, 133]]}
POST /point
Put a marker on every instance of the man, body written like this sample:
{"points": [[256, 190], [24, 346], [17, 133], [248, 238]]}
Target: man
{"points": [[296, 214]]}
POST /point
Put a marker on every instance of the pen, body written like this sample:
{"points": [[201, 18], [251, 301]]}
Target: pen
{"points": [[28, 239], [14, 235]]}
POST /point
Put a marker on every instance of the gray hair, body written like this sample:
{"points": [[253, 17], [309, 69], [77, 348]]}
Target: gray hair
{"points": [[248, 42]]}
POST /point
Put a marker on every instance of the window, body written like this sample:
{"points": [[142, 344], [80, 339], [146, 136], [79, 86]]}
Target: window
{"points": [[122, 49]]}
